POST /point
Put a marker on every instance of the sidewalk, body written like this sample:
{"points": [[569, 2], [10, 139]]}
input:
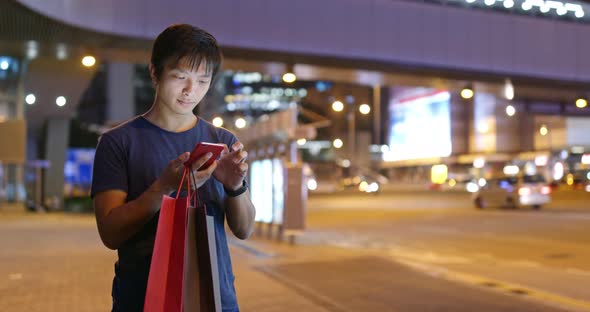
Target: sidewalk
{"points": [[56, 262]]}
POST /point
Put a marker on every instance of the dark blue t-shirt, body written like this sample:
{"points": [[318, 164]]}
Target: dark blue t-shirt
{"points": [[129, 158]]}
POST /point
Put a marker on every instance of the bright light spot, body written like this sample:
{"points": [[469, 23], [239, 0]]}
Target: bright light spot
{"points": [[511, 170], [581, 103], [466, 93], [301, 141], [337, 106], [472, 187], [561, 11], [373, 187], [337, 143], [231, 106], [479, 163], [218, 121], [564, 154], [60, 101], [482, 182], [364, 109], [558, 171], [32, 49], [289, 77], [489, 2], [577, 149], [240, 123], [88, 61], [579, 13], [544, 8], [588, 175], [543, 131], [508, 4], [586, 159], [469, 1], [363, 186], [508, 90], [541, 160], [30, 99], [569, 179], [527, 6], [530, 168], [452, 182], [510, 110], [439, 174], [483, 128], [312, 184], [345, 163], [384, 148], [61, 51], [4, 65], [588, 188]]}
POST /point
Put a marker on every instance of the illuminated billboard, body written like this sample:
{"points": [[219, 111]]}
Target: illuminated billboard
{"points": [[419, 125]]}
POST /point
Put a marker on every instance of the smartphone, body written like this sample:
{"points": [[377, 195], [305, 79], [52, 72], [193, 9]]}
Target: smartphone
{"points": [[203, 148]]}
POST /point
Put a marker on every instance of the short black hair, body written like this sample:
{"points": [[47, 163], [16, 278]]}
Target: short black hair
{"points": [[180, 41]]}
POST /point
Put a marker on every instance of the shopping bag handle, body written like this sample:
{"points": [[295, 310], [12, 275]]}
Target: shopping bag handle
{"points": [[188, 184]]}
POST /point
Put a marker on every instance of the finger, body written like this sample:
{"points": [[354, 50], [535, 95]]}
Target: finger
{"points": [[243, 169], [201, 161], [180, 160], [240, 157], [237, 146], [225, 150]]}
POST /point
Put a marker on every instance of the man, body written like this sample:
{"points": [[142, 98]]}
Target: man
{"points": [[143, 159]]}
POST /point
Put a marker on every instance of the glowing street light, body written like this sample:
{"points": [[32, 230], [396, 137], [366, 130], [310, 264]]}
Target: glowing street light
{"points": [[88, 61], [217, 121], [510, 110], [543, 131], [240, 123], [289, 77], [337, 106], [467, 93], [337, 143], [581, 103], [60, 101], [30, 99], [364, 109]]}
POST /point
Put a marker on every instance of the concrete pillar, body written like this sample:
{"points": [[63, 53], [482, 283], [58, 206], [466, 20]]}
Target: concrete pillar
{"points": [[120, 92]]}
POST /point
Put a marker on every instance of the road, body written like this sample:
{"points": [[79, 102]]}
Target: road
{"points": [[542, 254]]}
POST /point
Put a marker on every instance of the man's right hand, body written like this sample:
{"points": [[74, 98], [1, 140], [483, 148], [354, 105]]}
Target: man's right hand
{"points": [[171, 177]]}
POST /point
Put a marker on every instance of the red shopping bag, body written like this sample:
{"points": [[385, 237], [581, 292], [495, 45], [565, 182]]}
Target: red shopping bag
{"points": [[164, 288], [183, 274]]}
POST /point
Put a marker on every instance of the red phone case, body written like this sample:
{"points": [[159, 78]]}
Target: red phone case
{"points": [[203, 148]]}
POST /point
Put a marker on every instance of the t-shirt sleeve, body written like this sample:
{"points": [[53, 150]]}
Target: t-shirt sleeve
{"points": [[110, 166]]}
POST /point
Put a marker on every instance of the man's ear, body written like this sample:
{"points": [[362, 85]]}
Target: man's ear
{"points": [[153, 75]]}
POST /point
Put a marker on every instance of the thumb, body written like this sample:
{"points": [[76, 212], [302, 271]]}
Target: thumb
{"points": [[181, 159]]}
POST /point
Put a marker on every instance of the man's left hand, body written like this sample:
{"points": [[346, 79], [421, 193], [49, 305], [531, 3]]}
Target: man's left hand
{"points": [[232, 167]]}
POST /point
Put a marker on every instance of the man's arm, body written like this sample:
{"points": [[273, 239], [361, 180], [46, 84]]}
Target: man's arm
{"points": [[240, 215], [118, 221]]}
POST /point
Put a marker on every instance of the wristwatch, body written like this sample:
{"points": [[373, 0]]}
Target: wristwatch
{"points": [[238, 192]]}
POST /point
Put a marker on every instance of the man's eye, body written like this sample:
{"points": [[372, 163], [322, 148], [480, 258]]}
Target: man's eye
{"points": [[204, 81], [179, 77]]}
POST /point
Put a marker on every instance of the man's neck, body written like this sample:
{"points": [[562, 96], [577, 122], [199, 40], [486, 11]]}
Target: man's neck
{"points": [[170, 121]]}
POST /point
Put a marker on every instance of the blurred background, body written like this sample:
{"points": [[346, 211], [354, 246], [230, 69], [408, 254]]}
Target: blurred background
{"points": [[349, 109]]}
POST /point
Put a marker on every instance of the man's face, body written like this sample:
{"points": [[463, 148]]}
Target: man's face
{"points": [[180, 89]]}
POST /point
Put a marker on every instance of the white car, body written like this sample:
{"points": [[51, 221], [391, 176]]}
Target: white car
{"points": [[513, 192]]}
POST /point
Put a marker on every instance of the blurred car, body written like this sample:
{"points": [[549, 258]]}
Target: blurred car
{"points": [[513, 192], [361, 183]]}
